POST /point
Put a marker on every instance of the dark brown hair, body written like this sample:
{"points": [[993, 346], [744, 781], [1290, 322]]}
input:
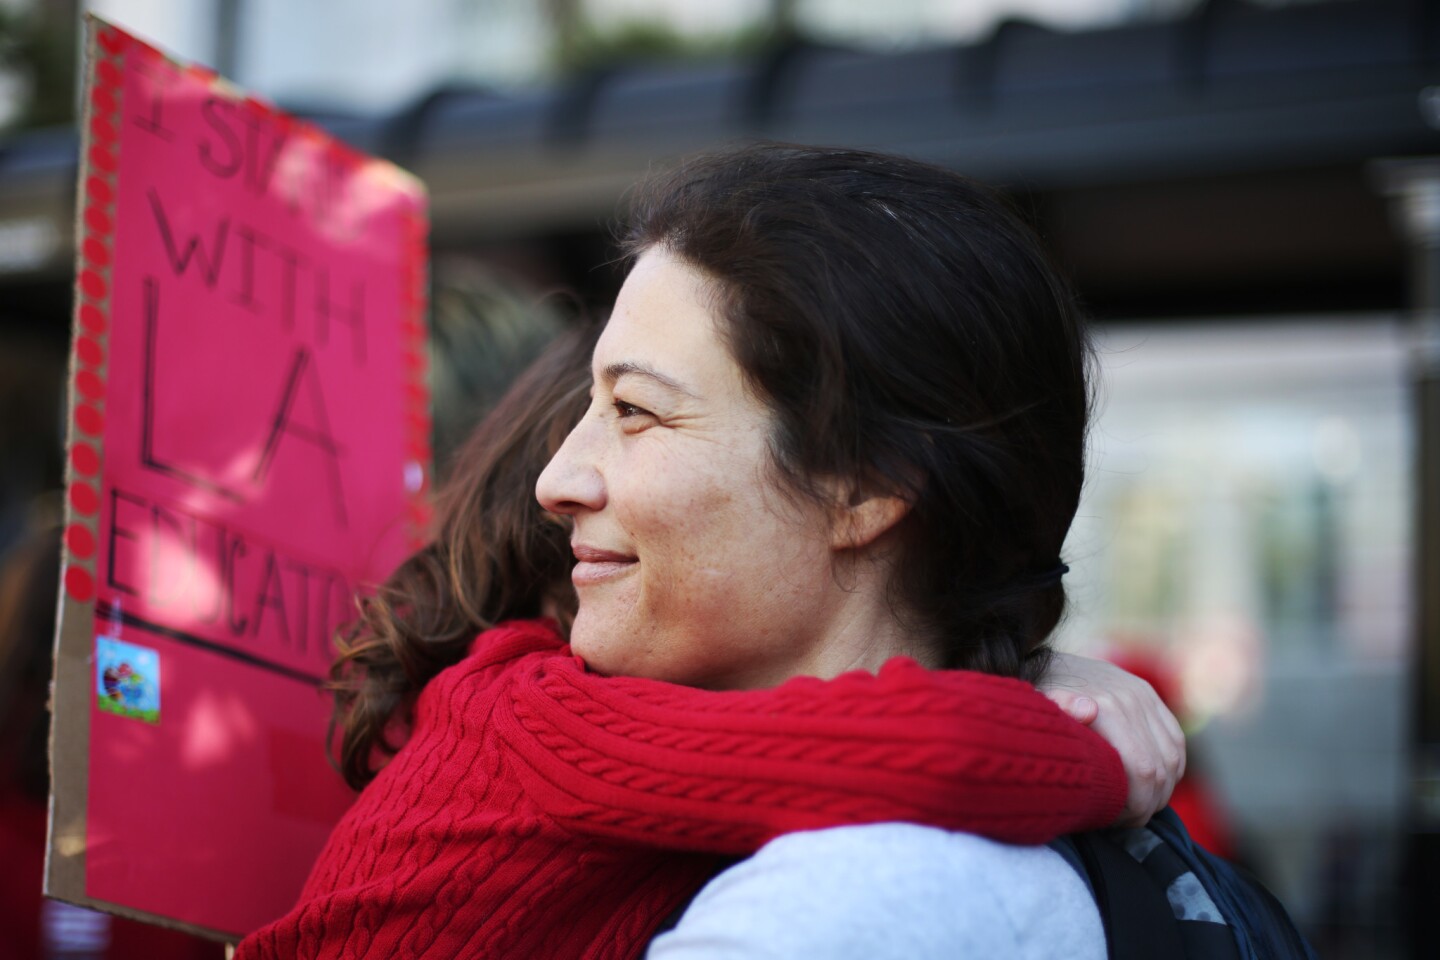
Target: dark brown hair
{"points": [[911, 338], [495, 556]]}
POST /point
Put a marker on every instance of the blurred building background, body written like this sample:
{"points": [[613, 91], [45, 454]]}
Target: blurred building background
{"points": [[1241, 189]]}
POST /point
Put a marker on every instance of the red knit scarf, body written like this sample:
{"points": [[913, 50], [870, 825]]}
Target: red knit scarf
{"points": [[541, 811]]}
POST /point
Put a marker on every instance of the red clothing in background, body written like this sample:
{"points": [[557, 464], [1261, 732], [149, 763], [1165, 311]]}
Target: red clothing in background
{"points": [[541, 811]]}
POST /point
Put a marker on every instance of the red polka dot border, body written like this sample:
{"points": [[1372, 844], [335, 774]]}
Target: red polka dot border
{"points": [[83, 459], [80, 541], [93, 289], [79, 583], [415, 281], [84, 499]]}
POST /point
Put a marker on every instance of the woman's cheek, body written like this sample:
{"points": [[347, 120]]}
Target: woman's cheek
{"points": [[659, 504]]}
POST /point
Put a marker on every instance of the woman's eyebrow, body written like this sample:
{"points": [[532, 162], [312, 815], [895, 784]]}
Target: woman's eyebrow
{"points": [[615, 371]]}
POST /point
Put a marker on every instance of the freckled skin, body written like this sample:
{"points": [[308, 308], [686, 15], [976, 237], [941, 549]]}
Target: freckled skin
{"points": [[719, 579]]}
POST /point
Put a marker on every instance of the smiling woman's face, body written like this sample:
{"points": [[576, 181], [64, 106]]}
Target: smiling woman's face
{"points": [[692, 564]]}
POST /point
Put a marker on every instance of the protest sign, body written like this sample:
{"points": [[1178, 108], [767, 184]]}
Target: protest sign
{"points": [[248, 446]]}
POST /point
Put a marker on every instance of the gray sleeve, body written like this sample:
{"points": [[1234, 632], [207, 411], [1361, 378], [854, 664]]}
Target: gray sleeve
{"points": [[890, 891]]}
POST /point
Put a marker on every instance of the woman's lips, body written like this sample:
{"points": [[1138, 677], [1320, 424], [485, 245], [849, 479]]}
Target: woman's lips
{"points": [[594, 565]]}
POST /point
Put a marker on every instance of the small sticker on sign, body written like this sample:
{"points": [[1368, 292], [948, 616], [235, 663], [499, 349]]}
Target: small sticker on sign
{"points": [[127, 679]]}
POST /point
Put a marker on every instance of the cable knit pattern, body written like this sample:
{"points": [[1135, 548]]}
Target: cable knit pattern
{"points": [[541, 811]]}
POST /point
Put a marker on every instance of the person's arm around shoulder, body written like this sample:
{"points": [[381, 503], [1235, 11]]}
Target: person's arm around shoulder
{"points": [[890, 891]]}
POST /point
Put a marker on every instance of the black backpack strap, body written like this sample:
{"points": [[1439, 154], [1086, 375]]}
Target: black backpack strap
{"points": [[1259, 923], [1139, 922]]}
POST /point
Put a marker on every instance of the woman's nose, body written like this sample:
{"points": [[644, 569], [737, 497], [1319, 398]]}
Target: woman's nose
{"points": [[571, 482]]}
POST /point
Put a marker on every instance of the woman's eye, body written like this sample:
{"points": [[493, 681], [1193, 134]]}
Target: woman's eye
{"points": [[628, 410], [633, 419]]}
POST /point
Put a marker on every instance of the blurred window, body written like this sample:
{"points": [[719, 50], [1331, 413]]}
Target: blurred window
{"points": [[1247, 520]]}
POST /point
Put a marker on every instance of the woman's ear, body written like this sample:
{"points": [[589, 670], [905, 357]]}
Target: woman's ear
{"points": [[864, 519]]}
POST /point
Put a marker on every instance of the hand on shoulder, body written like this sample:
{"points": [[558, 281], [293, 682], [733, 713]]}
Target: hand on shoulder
{"points": [[1130, 716]]}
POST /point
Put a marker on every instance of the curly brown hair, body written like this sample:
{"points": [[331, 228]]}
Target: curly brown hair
{"points": [[496, 555]]}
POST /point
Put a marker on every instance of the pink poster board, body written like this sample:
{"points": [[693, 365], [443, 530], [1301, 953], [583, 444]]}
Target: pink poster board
{"points": [[248, 446]]}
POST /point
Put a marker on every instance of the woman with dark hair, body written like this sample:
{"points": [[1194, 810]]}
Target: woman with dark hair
{"points": [[833, 444], [839, 416]]}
